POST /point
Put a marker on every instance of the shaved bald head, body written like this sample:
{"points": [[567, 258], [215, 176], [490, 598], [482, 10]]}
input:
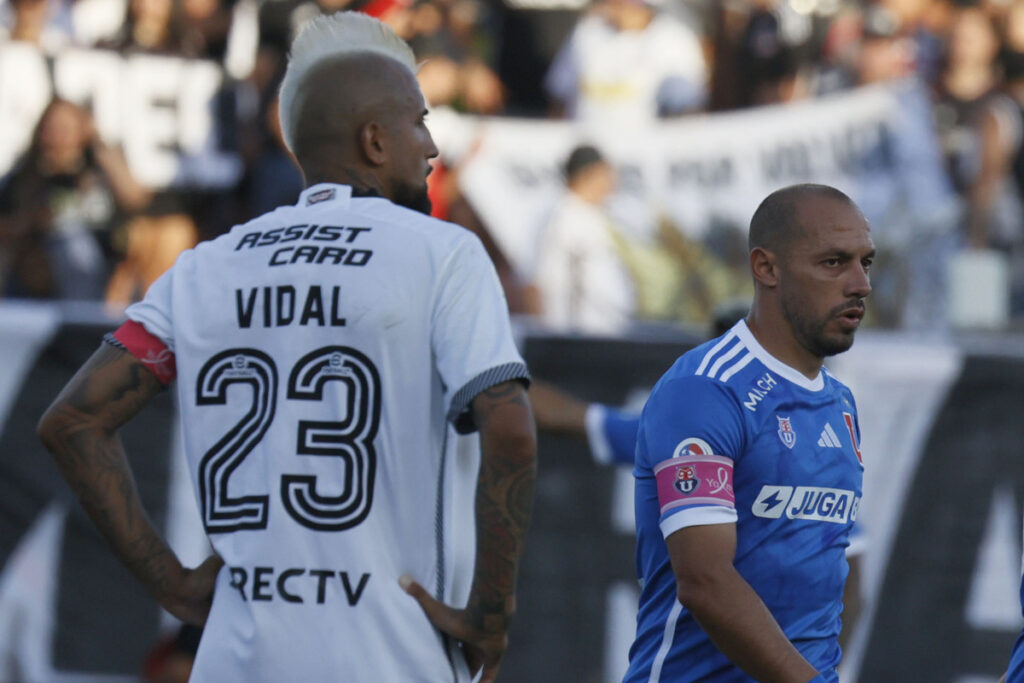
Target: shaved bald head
{"points": [[777, 224], [810, 256]]}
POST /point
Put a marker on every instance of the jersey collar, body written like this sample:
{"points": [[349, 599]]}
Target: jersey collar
{"points": [[773, 363], [325, 193]]}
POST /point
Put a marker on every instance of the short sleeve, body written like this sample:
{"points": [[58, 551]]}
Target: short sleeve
{"points": [[471, 335], [148, 333], [691, 435], [154, 311], [611, 434]]}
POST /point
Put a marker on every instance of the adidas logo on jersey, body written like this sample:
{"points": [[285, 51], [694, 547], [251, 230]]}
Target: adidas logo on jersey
{"points": [[829, 438]]}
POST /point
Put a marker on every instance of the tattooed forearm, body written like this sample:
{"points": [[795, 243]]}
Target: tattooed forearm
{"points": [[79, 429], [503, 501], [110, 388], [499, 397]]}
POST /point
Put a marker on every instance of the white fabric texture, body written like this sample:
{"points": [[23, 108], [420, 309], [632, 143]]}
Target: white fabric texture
{"points": [[611, 78], [424, 312], [584, 284]]}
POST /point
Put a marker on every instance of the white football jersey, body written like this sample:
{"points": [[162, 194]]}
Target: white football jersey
{"points": [[324, 352]]}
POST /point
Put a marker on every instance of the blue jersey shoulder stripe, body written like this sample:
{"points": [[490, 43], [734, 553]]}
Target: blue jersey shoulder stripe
{"points": [[725, 358], [737, 366], [714, 350]]}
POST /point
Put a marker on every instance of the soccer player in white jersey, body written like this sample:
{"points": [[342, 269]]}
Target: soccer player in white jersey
{"points": [[325, 354]]}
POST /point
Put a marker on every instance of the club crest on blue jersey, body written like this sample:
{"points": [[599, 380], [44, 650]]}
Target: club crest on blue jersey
{"points": [[692, 446], [786, 433], [686, 480]]}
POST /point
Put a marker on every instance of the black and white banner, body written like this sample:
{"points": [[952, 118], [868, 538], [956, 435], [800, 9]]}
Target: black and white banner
{"points": [[161, 110], [944, 482], [877, 144], [69, 611]]}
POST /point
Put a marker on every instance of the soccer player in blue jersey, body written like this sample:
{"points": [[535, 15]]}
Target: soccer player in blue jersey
{"points": [[748, 473], [611, 434], [1015, 670]]}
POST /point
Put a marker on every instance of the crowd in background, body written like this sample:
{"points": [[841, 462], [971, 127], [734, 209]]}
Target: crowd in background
{"points": [[76, 224]]}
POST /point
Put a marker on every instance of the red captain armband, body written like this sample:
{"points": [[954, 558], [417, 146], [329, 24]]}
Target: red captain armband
{"points": [[694, 480], [149, 350]]}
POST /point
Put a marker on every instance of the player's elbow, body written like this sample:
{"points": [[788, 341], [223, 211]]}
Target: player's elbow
{"points": [[59, 422], [695, 599], [48, 428], [698, 588]]}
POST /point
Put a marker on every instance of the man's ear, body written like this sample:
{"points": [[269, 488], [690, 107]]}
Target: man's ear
{"points": [[765, 267], [373, 143]]}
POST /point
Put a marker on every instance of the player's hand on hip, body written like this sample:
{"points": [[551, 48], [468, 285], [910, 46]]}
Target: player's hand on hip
{"points": [[483, 640], [190, 594]]}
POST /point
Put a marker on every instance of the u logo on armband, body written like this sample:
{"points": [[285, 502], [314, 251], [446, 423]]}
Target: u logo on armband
{"points": [[694, 480]]}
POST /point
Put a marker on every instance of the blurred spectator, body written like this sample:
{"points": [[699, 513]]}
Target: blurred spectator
{"points": [[597, 275], [965, 91], [624, 62], [207, 24], [426, 28], [440, 81], [763, 52], [281, 20], [482, 90], [62, 208], [455, 53], [168, 225], [152, 26], [468, 23], [885, 54], [467, 87], [154, 241], [445, 35], [273, 177], [96, 21], [769, 60], [44, 23], [923, 24], [582, 280], [994, 218], [915, 222], [840, 50]]}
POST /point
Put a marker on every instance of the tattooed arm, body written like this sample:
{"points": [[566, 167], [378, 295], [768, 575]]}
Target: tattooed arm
{"points": [[80, 430], [504, 496]]}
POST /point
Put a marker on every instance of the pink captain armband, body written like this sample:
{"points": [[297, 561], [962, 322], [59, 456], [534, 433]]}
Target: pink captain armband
{"points": [[147, 348], [694, 480]]}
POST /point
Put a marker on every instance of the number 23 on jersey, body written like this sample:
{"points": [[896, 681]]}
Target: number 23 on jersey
{"points": [[350, 438]]}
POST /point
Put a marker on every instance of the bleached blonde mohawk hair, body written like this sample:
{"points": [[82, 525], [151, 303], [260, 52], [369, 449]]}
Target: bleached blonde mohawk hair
{"points": [[328, 37]]}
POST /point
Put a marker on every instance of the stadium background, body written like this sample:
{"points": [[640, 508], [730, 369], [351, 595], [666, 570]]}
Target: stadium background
{"points": [[885, 99]]}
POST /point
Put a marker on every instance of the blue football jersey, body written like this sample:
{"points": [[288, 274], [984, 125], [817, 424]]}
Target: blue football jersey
{"points": [[611, 434], [730, 434], [1015, 671]]}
